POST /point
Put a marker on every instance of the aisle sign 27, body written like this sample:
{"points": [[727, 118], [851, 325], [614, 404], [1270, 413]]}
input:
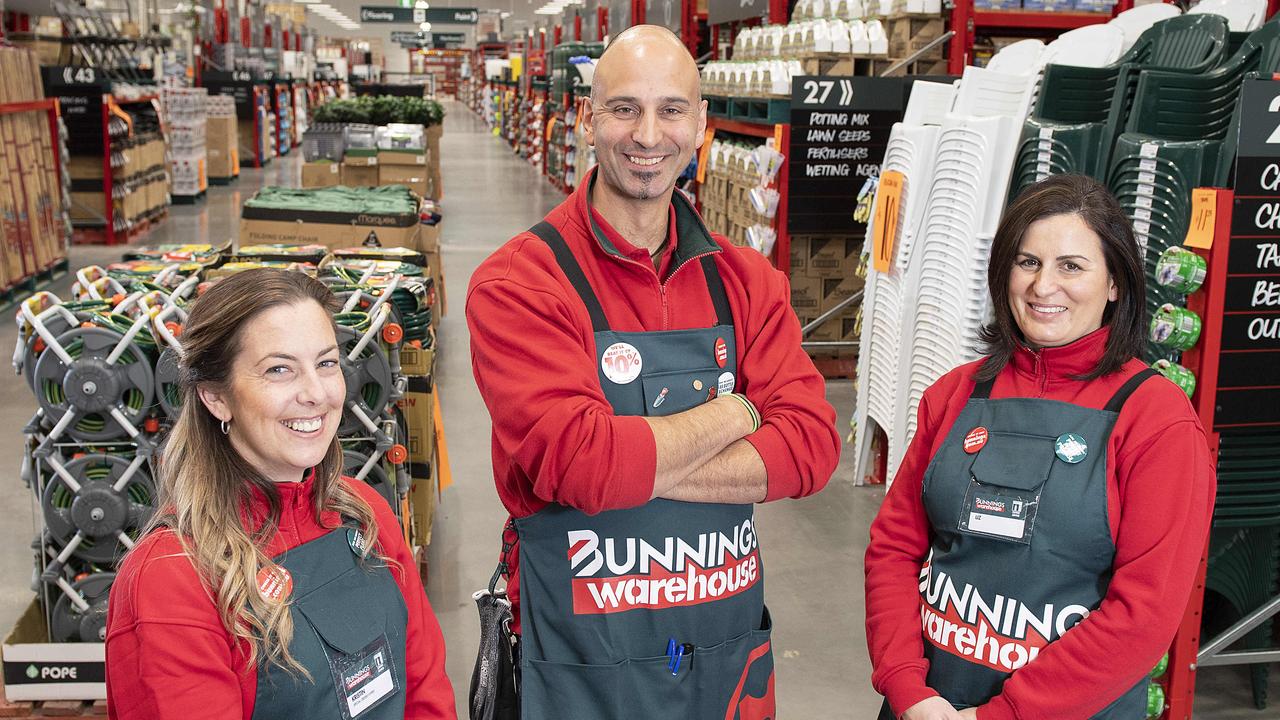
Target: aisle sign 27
{"points": [[885, 221]]}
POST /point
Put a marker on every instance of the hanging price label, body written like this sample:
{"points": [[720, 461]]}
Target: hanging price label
{"points": [[1204, 206], [888, 210], [551, 126], [704, 155], [777, 137]]}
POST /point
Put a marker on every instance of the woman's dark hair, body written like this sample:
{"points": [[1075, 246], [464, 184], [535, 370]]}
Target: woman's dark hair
{"points": [[1090, 200]]}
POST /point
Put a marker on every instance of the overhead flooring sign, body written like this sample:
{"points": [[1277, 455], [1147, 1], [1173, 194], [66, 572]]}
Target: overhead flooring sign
{"points": [[839, 131], [417, 16]]}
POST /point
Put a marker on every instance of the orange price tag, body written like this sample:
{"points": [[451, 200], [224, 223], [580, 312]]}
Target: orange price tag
{"points": [[704, 155], [1204, 210], [582, 107], [777, 138], [888, 211], [551, 126]]}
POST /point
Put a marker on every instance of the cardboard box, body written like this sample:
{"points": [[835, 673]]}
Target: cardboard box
{"points": [[320, 174], [836, 290], [354, 158], [828, 331], [799, 255], [437, 277], [806, 295], [832, 256], [429, 239], [222, 147], [411, 176], [418, 362], [36, 669], [415, 158], [418, 408], [1050, 5], [260, 226], [357, 176], [909, 34]]}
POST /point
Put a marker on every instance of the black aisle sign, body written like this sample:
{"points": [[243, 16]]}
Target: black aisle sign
{"points": [[448, 41], [839, 130], [1249, 361], [404, 16]]}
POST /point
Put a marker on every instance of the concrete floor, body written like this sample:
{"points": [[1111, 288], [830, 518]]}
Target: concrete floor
{"points": [[813, 547]]}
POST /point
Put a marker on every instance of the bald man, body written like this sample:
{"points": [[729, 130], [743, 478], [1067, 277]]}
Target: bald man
{"points": [[647, 387]]}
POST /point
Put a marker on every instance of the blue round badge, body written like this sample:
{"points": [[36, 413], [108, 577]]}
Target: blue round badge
{"points": [[356, 540], [1070, 448]]}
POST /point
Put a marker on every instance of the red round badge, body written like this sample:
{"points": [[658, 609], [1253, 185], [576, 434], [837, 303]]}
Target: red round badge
{"points": [[722, 352], [974, 441], [275, 584]]}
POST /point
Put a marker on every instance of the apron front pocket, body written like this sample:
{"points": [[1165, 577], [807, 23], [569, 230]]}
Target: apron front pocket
{"points": [[737, 672], [340, 617], [668, 393]]}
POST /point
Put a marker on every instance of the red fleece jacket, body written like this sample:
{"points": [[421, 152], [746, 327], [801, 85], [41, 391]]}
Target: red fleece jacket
{"points": [[1160, 490], [170, 658], [555, 437]]}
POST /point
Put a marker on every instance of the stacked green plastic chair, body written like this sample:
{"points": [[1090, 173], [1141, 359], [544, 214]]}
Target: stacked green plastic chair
{"points": [[1081, 110], [1244, 546]]}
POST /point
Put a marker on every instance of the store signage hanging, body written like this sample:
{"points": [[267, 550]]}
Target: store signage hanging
{"points": [[406, 16], [723, 11], [666, 13], [839, 131], [1249, 362], [448, 41]]}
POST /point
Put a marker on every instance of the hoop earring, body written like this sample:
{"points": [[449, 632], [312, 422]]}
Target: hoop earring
{"points": [[226, 427]]}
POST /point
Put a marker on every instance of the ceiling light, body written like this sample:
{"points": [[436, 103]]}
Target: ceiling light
{"points": [[425, 27], [421, 5]]}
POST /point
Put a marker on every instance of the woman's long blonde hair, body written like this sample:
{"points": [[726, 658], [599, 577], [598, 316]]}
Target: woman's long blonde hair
{"points": [[206, 487]]}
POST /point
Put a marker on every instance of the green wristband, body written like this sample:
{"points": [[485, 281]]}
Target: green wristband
{"points": [[755, 414]]}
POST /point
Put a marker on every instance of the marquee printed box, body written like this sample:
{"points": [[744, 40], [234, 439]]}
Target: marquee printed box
{"points": [[36, 669], [260, 226]]}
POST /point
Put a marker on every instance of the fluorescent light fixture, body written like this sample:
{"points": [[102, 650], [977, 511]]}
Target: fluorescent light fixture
{"points": [[425, 27], [505, 15], [421, 5]]}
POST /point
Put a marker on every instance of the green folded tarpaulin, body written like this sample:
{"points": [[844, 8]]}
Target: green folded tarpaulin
{"points": [[385, 200]]}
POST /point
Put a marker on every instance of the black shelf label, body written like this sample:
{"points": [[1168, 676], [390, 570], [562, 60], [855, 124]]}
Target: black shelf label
{"points": [[840, 128], [1249, 358]]}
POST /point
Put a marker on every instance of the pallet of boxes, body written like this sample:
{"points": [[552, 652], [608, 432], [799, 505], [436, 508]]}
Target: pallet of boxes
{"points": [[33, 227], [910, 30], [386, 227], [222, 140], [737, 192], [826, 270]]}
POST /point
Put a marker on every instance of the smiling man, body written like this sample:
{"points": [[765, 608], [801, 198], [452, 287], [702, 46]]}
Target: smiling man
{"points": [[647, 388]]}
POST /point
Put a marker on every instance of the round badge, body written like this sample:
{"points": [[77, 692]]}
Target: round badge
{"points": [[722, 353], [1070, 448], [356, 540], [697, 385], [275, 584], [725, 383], [621, 363], [974, 441]]}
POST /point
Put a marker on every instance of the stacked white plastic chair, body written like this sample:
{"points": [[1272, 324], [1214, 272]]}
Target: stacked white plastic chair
{"points": [[1241, 15], [943, 282], [910, 151]]}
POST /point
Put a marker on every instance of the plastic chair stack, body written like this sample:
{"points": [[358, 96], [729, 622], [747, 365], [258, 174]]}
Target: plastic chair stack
{"points": [[1081, 110], [911, 149], [946, 275]]}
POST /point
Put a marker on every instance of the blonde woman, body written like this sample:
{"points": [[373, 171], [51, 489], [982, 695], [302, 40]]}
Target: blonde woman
{"points": [[270, 587]]}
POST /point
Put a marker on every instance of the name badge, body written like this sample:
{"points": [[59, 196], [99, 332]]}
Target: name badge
{"points": [[364, 679], [999, 512]]}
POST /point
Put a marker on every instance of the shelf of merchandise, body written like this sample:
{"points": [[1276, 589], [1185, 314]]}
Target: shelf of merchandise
{"points": [[967, 21], [49, 107], [110, 236], [781, 257]]}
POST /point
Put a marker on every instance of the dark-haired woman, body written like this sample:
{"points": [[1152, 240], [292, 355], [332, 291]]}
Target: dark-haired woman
{"points": [[270, 586], [1035, 553]]}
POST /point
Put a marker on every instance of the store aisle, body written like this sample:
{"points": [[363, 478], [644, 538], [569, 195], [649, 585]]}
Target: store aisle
{"points": [[813, 548]]}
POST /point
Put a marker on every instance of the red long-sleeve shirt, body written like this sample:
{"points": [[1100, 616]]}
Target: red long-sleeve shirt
{"points": [[169, 657], [1160, 490], [555, 437]]}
